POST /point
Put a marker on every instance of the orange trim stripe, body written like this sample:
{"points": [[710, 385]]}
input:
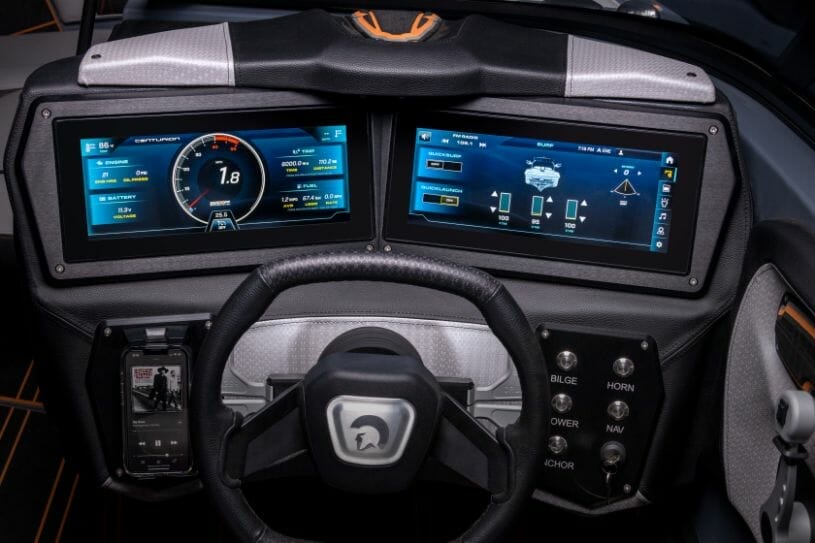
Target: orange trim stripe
{"points": [[799, 318], [19, 393], [33, 28], [48, 503], [17, 441], [67, 509], [14, 403], [54, 15]]}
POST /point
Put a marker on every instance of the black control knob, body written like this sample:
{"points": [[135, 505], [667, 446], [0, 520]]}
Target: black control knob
{"points": [[612, 456]]}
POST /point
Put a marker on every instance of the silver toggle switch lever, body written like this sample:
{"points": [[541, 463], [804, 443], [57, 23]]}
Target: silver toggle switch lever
{"points": [[785, 516]]}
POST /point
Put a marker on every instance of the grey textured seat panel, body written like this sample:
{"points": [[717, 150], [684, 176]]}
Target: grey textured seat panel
{"points": [[755, 379]]}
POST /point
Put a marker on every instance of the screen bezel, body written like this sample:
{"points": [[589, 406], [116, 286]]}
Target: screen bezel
{"points": [[691, 148], [79, 247]]}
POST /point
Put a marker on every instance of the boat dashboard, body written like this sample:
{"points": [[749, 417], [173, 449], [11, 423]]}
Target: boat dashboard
{"points": [[614, 213]]}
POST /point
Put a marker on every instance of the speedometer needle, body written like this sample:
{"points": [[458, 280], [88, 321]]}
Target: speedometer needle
{"points": [[198, 199]]}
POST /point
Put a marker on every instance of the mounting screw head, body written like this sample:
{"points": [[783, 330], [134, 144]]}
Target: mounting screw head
{"points": [[369, 248], [107, 332], [387, 248], [59, 268], [693, 281], [713, 130], [545, 333], [644, 345], [46, 113], [208, 325], [626, 489]]}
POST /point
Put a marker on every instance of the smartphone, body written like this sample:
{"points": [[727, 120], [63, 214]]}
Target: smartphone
{"points": [[154, 407]]}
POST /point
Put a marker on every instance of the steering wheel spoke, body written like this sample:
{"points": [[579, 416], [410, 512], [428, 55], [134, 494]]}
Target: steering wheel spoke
{"points": [[267, 439], [468, 448]]}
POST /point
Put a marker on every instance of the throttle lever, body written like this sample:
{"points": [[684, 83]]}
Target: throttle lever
{"points": [[786, 516]]}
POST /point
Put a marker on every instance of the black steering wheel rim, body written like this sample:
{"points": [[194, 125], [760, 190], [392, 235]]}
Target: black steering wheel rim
{"points": [[212, 422]]}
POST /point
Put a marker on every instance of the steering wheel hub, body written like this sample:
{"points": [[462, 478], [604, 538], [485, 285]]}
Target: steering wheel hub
{"points": [[370, 419]]}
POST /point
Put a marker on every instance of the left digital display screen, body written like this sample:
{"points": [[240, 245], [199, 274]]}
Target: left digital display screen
{"points": [[176, 183]]}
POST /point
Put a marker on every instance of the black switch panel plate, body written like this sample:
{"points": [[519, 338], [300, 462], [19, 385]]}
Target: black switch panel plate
{"points": [[577, 474]]}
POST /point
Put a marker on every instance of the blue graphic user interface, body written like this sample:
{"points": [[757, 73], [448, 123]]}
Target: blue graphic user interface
{"points": [[582, 192], [214, 181]]}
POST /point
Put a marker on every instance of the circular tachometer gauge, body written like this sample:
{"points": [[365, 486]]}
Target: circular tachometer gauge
{"points": [[218, 172]]}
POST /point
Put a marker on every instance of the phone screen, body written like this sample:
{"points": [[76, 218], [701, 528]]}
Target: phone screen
{"points": [[155, 412]]}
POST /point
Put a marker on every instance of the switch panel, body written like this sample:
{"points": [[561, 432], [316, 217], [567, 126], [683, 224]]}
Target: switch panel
{"points": [[603, 412]]}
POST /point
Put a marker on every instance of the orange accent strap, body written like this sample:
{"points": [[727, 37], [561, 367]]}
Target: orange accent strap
{"points": [[423, 23], [799, 318]]}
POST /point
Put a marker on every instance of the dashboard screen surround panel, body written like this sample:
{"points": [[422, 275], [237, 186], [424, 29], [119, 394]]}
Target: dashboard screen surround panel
{"points": [[183, 231], [419, 211]]}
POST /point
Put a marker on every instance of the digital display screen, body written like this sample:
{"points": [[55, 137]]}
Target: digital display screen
{"points": [[158, 184], [586, 192], [220, 181], [594, 194]]}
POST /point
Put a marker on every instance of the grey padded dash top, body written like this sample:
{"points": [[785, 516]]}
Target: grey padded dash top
{"points": [[318, 51]]}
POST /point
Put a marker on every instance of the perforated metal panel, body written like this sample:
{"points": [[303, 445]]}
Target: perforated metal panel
{"points": [[190, 57], [597, 69], [449, 349]]}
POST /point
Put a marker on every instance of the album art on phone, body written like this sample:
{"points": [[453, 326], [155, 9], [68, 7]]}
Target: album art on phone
{"points": [[156, 389]]}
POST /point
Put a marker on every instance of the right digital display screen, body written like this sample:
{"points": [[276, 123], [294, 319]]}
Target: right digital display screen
{"points": [[540, 187]]}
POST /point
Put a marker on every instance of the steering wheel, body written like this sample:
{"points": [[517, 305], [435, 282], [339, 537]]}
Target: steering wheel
{"points": [[368, 422]]}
